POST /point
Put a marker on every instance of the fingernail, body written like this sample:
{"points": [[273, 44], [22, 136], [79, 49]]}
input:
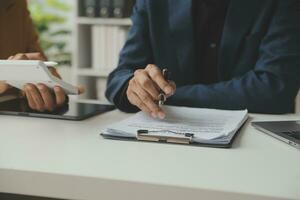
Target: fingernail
{"points": [[40, 87], [153, 115], [161, 115], [168, 90]]}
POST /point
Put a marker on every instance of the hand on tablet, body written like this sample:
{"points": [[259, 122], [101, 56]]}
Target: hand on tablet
{"points": [[28, 56], [21, 56], [39, 96]]}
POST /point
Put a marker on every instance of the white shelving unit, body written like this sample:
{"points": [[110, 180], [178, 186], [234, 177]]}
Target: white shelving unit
{"points": [[103, 21], [83, 72]]}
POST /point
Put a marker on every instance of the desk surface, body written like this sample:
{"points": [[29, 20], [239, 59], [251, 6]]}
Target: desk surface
{"points": [[68, 159]]}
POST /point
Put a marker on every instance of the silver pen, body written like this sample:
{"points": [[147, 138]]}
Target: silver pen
{"points": [[162, 96]]}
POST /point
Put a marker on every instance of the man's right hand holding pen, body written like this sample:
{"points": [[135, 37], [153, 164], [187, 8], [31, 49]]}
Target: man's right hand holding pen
{"points": [[145, 87]]}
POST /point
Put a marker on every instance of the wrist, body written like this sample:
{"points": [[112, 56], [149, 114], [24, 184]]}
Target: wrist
{"points": [[122, 102], [13, 91]]}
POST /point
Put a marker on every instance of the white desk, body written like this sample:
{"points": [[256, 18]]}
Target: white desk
{"points": [[66, 159]]}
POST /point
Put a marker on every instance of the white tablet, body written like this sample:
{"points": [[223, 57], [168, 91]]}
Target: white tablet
{"points": [[19, 72]]}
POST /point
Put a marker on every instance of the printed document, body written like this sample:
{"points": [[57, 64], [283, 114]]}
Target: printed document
{"points": [[206, 125]]}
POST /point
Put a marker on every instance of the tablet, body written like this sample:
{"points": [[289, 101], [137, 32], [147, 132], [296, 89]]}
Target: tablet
{"points": [[19, 72], [71, 111]]}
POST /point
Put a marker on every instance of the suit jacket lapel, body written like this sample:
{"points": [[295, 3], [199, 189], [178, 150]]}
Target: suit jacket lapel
{"points": [[239, 19], [182, 33]]}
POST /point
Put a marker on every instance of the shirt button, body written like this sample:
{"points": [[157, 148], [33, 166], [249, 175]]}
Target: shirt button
{"points": [[213, 45]]}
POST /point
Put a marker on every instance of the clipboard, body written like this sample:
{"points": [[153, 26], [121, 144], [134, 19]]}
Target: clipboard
{"points": [[182, 126], [187, 140], [145, 135]]}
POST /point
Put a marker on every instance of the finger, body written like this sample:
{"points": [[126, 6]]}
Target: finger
{"points": [[60, 95], [142, 78], [148, 101], [54, 72], [4, 87], [36, 56], [47, 97], [135, 100], [10, 57], [22, 94], [19, 56], [30, 99], [172, 83], [35, 93], [31, 102], [157, 76], [81, 89]]}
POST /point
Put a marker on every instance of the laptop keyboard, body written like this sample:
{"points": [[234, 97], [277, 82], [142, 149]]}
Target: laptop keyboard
{"points": [[294, 134]]}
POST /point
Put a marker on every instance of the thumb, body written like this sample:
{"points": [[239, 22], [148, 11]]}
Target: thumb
{"points": [[4, 87], [36, 56], [81, 89], [173, 85]]}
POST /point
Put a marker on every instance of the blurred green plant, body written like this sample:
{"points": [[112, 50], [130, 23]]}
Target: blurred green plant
{"points": [[45, 14]]}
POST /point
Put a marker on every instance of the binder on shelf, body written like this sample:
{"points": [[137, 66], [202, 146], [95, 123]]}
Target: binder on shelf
{"points": [[105, 8], [99, 48], [91, 7], [107, 42], [109, 48], [122, 8], [101, 87], [106, 46]]}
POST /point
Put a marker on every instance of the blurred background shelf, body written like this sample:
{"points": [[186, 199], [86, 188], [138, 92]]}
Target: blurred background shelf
{"points": [[92, 72], [97, 42], [104, 21]]}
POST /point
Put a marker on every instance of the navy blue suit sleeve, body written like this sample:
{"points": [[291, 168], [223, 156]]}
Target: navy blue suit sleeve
{"points": [[272, 85], [136, 53]]}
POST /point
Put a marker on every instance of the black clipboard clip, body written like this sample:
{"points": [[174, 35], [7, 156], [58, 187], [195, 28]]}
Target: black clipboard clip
{"points": [[153, 136]]}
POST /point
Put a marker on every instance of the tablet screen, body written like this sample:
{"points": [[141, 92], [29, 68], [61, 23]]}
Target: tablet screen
{"points": [[71, 111]]}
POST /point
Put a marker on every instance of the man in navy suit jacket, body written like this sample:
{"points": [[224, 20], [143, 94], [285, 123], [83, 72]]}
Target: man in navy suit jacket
{"points": [[258, 57]]}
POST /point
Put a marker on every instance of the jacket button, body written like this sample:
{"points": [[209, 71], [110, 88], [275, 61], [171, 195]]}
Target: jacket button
{"points": [[213, 45]]}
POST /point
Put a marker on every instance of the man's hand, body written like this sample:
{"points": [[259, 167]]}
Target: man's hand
{"points": [[144, 89], [4, 87], [39, 96], [28, 56]]}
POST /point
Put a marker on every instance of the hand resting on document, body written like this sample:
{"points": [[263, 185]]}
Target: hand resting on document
{"points": [[144, 88]]}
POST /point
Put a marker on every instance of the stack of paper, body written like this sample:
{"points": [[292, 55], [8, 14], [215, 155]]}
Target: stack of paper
{"points": [[209, 126]]}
